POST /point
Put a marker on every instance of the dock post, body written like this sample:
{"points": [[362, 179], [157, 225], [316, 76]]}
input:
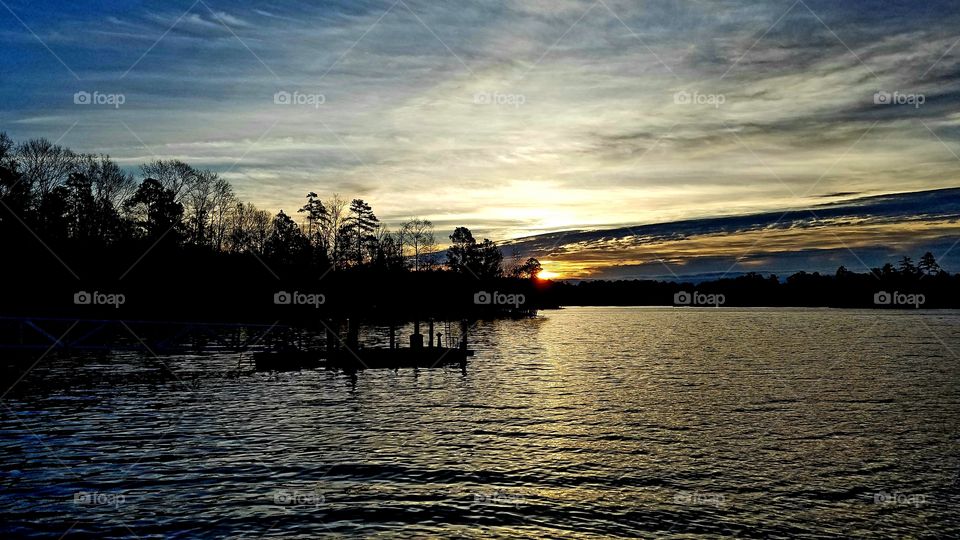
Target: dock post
{"points": [[416, 338], [328, 335], [393, 336], [464, 329], [353, 334], [430, 341]]}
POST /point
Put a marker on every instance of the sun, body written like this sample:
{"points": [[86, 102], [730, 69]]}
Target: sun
{"points": [[546, 274]]}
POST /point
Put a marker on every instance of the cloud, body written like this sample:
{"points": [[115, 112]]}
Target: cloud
{"points": [[514, 117], [860, 233]]}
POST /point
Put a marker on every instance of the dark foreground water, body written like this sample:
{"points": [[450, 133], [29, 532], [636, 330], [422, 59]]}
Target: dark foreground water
{"points": [[588, 422]]}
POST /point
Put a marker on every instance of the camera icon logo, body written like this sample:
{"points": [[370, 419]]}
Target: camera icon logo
{"points": [[682, 298], [682, 98], [483, 298], [882, 98], [82, 98], [282, 98], [82, 298], [82, 497], [282, 298], [882, 298]]}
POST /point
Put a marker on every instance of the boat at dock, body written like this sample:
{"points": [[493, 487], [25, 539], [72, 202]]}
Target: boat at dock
{"points": [[350, 355]]}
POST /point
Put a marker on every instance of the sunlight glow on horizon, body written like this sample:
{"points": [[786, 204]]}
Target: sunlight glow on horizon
{"points": [[547, 274]]}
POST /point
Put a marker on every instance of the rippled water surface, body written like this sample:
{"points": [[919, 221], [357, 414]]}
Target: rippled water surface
{"points": [[584, 422]]}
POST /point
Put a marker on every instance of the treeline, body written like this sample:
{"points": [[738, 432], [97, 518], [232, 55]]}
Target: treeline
{"points": [[176, 231], [88, 200], [905, 285], [177, 242]]}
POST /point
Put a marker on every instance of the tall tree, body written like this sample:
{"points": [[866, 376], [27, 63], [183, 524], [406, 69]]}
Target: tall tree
{"points": [[45, 165], [249, 229], [6, 150], [14, 190], [527, 270], [316, 214], [482, 260], [332, 230], [389, 254], [155, 211], [489, 262], [108, 181], [287, 244], [417, 235], [461, 251], [928, 264], [223, 204], [174, 175], [906, 266], [81, 208], [199, 205], [362, 224], [110, 187]]}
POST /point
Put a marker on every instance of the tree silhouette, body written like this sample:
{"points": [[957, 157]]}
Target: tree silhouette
{"points": [[465, 255], [45, 165], [14, 190], [316, 214], [528, 270], [489, 262], [174, 175], [198, 205], [331, 229], [287, 244], [223, 202], [6, 147], [417, 234], [461, 251], [362, 224], [249, 228], [155, 211], [906, 266], [81, 208], [928, 264]]}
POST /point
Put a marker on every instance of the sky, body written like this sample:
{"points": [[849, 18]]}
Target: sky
{"points": [[523, 118]]}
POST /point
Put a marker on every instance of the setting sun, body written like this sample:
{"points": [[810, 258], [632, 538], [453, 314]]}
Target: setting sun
{"points": [[546, 274]]}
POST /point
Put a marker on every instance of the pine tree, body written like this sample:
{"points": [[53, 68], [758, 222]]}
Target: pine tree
{"points": [[362, 224], [928, 264]]}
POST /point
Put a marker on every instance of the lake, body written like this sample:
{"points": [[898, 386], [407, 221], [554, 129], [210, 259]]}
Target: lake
{"points": [[583, 422]]}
